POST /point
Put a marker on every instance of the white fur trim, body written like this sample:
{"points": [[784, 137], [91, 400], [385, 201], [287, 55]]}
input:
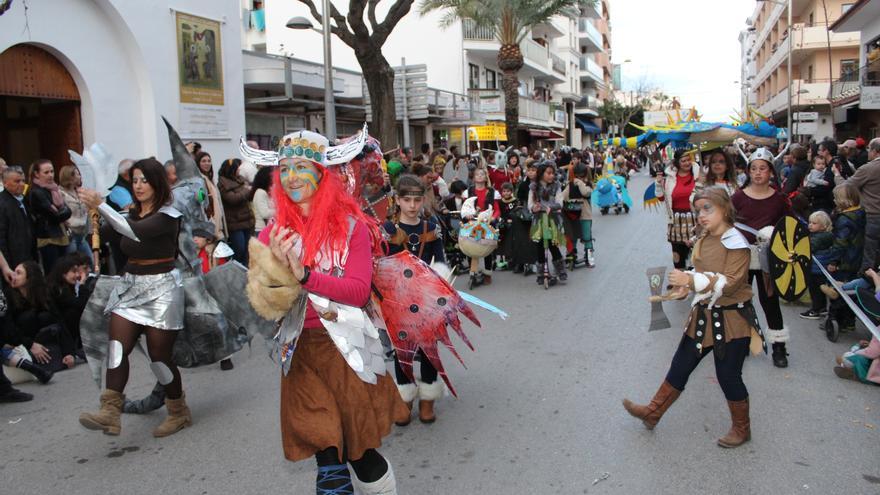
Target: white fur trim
{"points": [[701, 281], [777, 336], [733, 239], [442, 269], [431, 391], [386, 485], [408, 391], [765, 234]]}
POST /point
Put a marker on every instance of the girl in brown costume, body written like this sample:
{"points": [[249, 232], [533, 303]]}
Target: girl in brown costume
{"points": [[722, 319]]}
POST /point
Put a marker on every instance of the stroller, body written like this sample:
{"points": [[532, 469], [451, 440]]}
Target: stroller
{"points": [[457, 261]]}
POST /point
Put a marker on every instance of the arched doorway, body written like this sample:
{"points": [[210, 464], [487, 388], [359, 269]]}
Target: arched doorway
{"points": [[39, 108]]}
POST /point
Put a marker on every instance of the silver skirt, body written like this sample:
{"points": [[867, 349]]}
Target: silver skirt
{"points": [[152, 300]]}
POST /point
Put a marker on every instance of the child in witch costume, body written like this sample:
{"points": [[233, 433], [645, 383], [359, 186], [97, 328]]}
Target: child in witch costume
{"points": [[337, 402], [722, 319], [423, 238], [507, 205]]}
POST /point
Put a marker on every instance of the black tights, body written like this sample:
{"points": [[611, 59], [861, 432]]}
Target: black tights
{"points": [[769, 303], [429, 373], [159, 346], [554, 252], [680, 252], [368, 468], [728, 369]]}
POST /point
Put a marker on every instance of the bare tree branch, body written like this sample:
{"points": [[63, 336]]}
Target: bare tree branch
{"points": [[395, 14], [371, 14], [356, 19], [340, 29]]}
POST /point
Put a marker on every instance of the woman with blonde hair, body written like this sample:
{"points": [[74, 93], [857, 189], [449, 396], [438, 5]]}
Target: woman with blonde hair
{"points": [[78, 224]]}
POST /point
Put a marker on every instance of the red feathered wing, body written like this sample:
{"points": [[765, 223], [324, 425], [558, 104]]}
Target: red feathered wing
{"points": [[417, 304]]}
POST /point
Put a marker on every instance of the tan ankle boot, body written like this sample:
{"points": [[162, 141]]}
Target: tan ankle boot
{"points": [[428, 393], [740, 429], [179, 417], [107, 418], [651, 413], [408, 392]]}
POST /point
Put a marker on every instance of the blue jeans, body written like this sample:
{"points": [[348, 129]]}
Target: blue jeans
{"points": [[856, 284], [80, 243], [238, 241]]}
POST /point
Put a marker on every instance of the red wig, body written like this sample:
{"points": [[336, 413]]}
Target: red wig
{"points": [[327, 223]]}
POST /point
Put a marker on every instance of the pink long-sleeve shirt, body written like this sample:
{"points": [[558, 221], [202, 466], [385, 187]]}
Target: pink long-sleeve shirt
{"points": [[353, 288]]}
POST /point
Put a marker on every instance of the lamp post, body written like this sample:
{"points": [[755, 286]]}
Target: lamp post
{"points": [[300, 22]]}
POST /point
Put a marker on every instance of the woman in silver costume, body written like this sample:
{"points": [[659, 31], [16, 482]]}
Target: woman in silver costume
{"points": [[147, 300]]}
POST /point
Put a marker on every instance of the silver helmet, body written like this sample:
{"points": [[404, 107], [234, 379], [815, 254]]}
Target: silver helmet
{"points": [[762, 154]]}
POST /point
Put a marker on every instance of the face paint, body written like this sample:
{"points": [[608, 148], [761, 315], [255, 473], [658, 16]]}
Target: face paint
{"points": [[305, 175]]}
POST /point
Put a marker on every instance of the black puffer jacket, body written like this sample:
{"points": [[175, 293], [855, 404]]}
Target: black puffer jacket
{"points": [[47, 219]]}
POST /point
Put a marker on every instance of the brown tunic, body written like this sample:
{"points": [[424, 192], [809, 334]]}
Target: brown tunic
{"points": [[710, 255]]}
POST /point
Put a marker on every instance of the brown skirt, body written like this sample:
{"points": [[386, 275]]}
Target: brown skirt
{"points": [[324, 403]]}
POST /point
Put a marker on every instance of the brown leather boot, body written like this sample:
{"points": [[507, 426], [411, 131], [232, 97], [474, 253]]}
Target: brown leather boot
{"points": [[428, 393], [651, 413], [179, 417], [426, 411], [107, 418], [408, 393], [740, 429]]}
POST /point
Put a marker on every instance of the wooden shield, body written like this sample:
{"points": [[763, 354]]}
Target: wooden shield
{"points": [[790, 258]]}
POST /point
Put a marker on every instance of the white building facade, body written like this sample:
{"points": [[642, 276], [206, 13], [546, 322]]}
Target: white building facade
{"points": [[120, 66], [460, 65]]}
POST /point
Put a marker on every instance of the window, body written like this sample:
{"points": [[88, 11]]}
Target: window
{"points": [[523, 89], [845, 8], [474, 76], [809, 74], [491, 82], [849, 69], [810, 20]]}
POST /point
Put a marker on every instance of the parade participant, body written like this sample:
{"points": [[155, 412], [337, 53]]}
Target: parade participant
{"points": [[721, 321], [408, 231], [721, 172], [324, 244], [483, 198], [545, 202], [508, 205], [675, 191], [579, 213], [760, 206], [147, 300], [524, 252]]}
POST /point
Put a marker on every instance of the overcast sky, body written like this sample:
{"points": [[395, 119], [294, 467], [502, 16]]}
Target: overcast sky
{"points": [[686, 48]]}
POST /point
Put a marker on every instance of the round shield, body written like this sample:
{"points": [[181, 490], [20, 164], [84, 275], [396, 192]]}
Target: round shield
{"points": [[790, 258]]}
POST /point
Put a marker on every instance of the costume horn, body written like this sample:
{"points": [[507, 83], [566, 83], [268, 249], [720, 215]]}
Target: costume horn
{"points": [[256, 156], [186, 166]]}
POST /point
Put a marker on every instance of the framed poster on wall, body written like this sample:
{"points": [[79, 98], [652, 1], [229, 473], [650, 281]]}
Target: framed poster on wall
{"points": [[200, 77]]}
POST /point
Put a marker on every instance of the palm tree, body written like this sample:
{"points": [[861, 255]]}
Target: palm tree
{"points": [[510, 21]]}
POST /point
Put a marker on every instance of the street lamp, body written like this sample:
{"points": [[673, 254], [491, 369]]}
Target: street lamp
{"points": [[300, 23]]}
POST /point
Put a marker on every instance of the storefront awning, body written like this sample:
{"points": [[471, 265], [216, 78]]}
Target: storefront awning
{"points": [[587, 126], [546, 134]]}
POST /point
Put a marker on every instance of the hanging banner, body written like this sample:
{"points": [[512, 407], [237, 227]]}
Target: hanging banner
{"points": [[199, 60]]}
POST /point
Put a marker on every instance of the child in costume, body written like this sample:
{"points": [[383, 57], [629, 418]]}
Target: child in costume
{"points": [[722, 319], [545, 203], [579, 212], [408, 231], [821, 241], [507, 205]]}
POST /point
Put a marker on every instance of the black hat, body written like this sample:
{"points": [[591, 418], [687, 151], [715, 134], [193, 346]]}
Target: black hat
{"points": [[204, 233]]}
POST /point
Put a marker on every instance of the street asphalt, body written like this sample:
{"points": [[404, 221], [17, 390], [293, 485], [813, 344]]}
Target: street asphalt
{"points": [[539, 409]]}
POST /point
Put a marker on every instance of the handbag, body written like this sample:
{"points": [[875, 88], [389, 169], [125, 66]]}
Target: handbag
{"points": [[522, 214]]}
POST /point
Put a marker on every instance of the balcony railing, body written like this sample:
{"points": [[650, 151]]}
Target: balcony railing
{"points": [[587, 30], [589, 66], [849, 87], [531, 112], [471, 31], [558, 63]]}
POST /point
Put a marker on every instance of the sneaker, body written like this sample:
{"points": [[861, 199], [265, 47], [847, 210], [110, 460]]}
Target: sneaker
{"points": [[811, 315], [15, 395]]}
